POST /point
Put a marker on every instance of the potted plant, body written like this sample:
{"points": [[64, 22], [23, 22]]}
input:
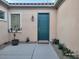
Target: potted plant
{"points": [[61, 46], [15, 41], [27, 39], [14, 31], [56, 41]]}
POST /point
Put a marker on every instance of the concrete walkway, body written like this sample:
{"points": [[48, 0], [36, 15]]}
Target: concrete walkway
{"points": [[28, 51]]}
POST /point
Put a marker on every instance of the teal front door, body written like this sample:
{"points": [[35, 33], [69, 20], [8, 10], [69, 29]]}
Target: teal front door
{"points": [[43, 26]]}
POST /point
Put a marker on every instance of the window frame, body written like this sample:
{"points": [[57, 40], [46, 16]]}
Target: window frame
{"points": [[3, 15], [20, 21]]}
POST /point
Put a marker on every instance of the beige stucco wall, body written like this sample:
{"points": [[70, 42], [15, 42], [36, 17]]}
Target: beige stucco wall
{"points": [[3, 26], [29, 28], [68, 24]]}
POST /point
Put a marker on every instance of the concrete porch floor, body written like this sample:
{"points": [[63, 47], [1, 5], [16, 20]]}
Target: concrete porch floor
{"points": [[29, 51]]}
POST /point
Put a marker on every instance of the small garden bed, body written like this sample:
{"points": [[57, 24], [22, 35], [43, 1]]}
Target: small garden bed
{"points": [[64, 52]]}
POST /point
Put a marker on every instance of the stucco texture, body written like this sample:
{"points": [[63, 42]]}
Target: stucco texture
{"points": [[68, 24], [29, 28], [3, 26]]}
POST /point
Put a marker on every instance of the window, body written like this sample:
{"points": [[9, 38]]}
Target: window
{"points": [[15, 21], [2, 15]]}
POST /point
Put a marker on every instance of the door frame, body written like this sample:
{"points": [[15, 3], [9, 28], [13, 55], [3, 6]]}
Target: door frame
{"points": [[38, 23]]}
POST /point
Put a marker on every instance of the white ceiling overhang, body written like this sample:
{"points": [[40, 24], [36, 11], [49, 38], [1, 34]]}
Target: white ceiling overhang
{"points": [[32, 3]]}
